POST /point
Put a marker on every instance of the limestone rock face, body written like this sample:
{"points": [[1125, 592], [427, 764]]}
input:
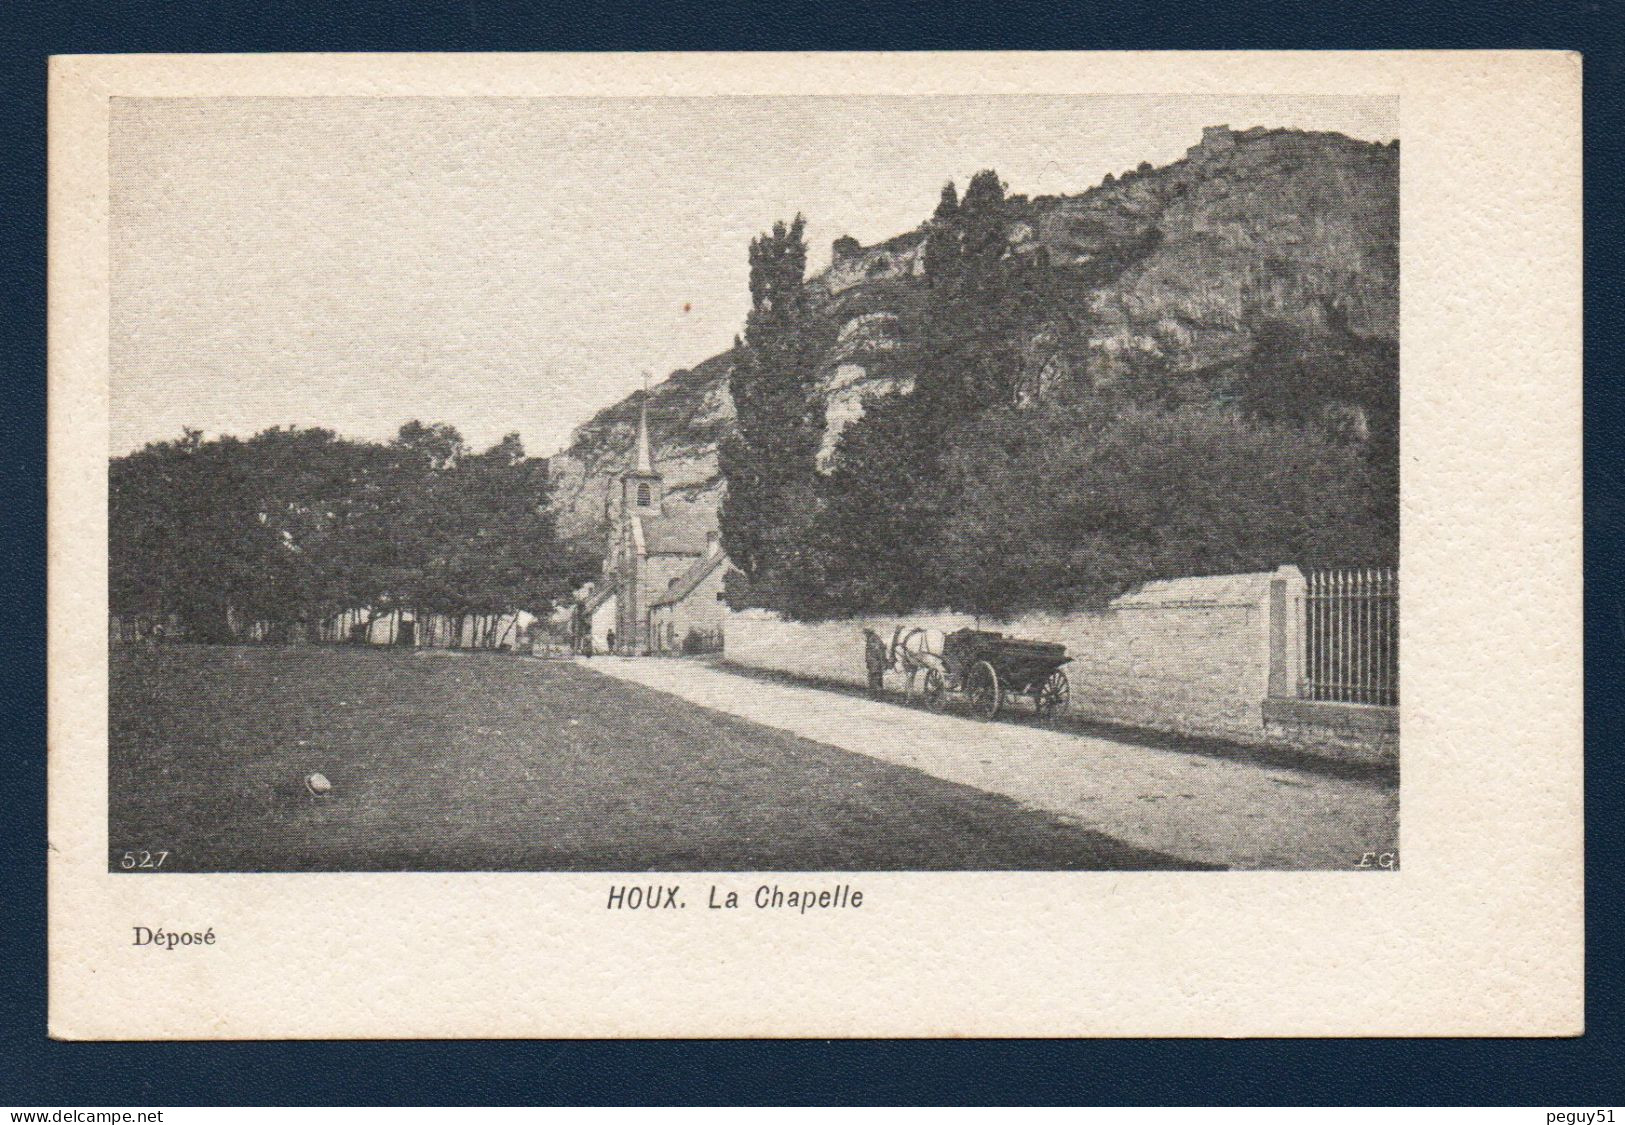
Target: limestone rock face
{"points": [[1250, 225], [688, 415], [1176, 265]]}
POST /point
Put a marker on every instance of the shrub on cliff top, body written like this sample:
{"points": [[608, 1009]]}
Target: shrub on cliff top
{"points": [[1069, 508]]}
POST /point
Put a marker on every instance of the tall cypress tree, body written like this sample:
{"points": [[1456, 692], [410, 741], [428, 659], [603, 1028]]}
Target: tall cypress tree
{"points": [[970, 358], [884, 497], [771, 460]]}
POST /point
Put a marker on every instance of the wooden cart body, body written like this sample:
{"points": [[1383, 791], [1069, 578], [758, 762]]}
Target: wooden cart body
{"points": [[991, 669]]}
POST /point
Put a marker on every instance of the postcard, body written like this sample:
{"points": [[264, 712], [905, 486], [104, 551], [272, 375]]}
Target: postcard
{"points": [[815, 545]]}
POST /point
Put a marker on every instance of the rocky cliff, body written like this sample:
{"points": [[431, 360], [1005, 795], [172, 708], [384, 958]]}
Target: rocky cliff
{"points": [[1171, 269]]}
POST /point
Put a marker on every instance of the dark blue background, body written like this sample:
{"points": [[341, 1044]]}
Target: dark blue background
{"points": [[37, 1072]]}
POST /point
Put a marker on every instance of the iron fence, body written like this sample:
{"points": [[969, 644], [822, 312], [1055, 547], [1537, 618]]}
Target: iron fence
{"points": [[1351, 636]]}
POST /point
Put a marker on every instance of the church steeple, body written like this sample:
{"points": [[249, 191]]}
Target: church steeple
{"points": [[643, 463], [641, 483]]}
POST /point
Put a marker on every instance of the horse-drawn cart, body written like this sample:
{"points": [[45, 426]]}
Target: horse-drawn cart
{"points": [[991, 669], [988, 669]]}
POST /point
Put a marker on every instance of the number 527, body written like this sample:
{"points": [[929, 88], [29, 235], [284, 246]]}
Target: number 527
{"points": [[133, 861]]}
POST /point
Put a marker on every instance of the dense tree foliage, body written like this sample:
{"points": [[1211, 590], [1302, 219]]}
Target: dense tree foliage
{"points": [[1071, 506], [990, 484], [876, 530], [980, 298], [884, 500], [294, 525], [770, 461], [1332, 380]]}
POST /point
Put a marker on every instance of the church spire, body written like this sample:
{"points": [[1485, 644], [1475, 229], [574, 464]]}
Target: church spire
{"points": [[644, 463]]}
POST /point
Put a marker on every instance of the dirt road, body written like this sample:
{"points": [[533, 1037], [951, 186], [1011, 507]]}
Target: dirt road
{"points": [[1192, 803]]}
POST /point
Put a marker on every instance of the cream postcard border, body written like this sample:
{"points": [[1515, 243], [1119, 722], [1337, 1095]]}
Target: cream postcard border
{"points": [[1479, 933]]}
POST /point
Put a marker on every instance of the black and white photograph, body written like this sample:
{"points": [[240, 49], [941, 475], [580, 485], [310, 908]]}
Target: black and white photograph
{"points": [[754, 483], [815, 545]]}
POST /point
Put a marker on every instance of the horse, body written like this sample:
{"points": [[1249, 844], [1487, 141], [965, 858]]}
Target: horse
{"points": [[910, 650]]}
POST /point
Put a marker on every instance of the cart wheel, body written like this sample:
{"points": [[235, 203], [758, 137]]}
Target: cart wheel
{"points": [[936, 692], [1051, 697], [982, 685]]}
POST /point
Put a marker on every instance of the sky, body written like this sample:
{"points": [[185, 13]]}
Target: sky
{"points": [[516, 264]]}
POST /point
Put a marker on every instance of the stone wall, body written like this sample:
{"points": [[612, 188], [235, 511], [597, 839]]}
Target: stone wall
{"points": [[1189, 655], [1348, 732]]}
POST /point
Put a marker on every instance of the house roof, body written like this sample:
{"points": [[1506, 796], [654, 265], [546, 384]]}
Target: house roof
{"points": [[690, 580], [602, 595]]}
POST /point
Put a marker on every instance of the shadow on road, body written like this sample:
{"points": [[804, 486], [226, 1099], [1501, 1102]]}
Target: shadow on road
{"points": [[1270, 757]]}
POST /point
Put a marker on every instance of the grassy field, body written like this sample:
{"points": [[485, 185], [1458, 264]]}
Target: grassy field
{"points": [[488, 762]]}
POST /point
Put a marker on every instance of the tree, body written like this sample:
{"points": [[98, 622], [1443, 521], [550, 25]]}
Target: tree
{"points": [[463, 533], [295, 525], [770, 461], [1327, 377], [876, 530], [505, 556], [882, 502], [185, 536], [958, 493], [407, 536], [1070, 507], [969, 357], [941, 240]]}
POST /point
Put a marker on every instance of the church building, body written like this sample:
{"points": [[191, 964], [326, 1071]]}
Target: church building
{"points": [[662, 574]]}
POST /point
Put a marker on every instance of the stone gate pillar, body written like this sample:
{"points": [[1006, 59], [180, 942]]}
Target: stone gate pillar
{"points": [[1287, 589]]}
